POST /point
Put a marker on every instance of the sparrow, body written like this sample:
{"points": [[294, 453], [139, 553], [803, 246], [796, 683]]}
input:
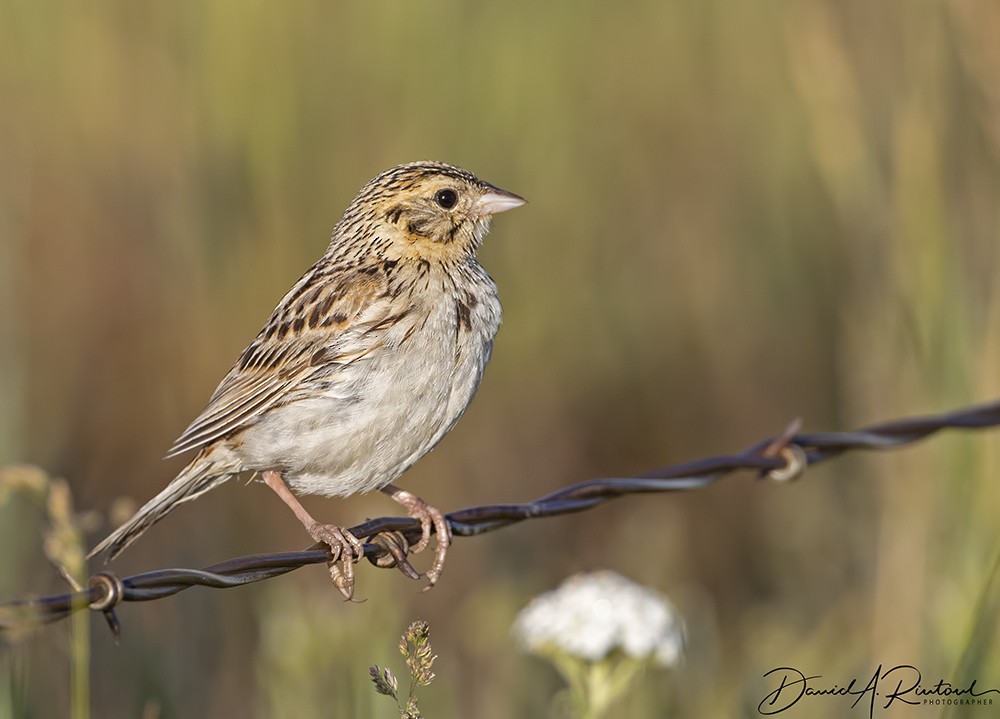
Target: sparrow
{"points": [[362, 368]]}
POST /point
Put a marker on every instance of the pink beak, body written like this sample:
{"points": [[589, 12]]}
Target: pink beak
{"points": [[497, 200]]}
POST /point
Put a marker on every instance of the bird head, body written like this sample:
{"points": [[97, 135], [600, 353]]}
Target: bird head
{"points": [[428, 210]]}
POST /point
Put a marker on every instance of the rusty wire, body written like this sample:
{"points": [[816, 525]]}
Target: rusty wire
{"points": [[387, 538]]}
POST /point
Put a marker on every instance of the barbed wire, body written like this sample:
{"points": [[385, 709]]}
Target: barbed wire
{"points": [[779, 458]]}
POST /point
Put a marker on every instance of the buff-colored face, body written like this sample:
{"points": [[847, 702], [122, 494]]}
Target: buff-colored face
{"points": [[427, 209]]}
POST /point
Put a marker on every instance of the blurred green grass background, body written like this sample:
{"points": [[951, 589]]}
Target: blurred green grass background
{"points": [[740, 213]]}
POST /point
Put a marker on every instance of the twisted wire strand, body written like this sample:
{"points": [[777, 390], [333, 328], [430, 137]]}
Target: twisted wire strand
{"points": [[782, 457]]}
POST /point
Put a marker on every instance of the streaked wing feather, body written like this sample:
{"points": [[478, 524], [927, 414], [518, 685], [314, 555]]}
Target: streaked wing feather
{"points": [[283, 356], [253, 388], [208, 429]]}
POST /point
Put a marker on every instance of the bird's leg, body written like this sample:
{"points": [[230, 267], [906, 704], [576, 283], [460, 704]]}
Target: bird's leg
{"points": [[428, 517], [345, 548]]}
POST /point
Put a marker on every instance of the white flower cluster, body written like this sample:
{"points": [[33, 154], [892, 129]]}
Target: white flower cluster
{"points": [[591, 615]]}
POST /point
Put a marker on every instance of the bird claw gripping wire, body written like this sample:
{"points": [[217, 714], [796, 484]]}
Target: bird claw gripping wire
{"points": [[395, 547]]}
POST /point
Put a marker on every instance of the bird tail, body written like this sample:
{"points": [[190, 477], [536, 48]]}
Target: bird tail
{"points": [[194, 480]]}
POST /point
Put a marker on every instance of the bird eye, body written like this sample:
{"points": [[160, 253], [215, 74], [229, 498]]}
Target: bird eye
{"points": [[446, 198]]}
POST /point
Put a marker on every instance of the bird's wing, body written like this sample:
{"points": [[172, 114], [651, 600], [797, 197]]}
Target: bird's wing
{"points": [[327, 318]]}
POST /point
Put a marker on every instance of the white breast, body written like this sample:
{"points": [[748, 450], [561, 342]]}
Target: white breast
{"points": [[380, 414]]}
